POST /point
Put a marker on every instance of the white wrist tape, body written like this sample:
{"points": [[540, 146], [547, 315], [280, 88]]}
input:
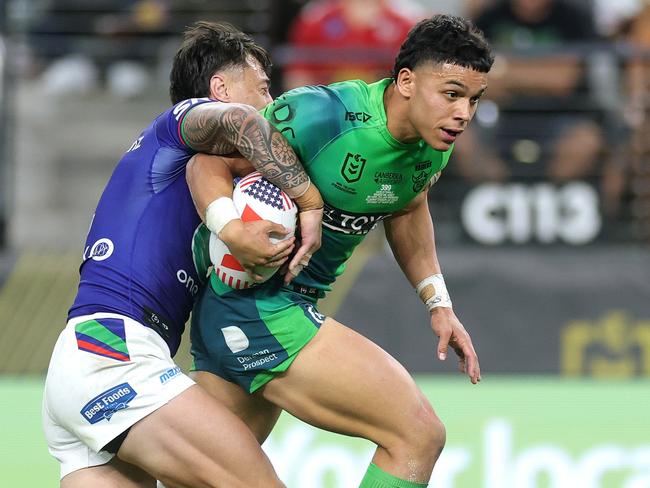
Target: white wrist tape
{"points": [[433, 292], [219, 213]]}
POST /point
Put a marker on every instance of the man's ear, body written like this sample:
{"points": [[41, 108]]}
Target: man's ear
{"points": [[219, 88], [405, 82]]}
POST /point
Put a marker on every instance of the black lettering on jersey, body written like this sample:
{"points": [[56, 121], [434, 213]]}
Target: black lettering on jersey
{"points": [[341, 187], [388, 177], [358, 116], [353, 167], [282, 113], [288, 133], [350, 222], [423, 165]]}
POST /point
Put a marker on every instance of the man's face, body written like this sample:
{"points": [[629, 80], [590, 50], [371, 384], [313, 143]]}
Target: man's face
{"points": [[442, 99], [246, 84]]}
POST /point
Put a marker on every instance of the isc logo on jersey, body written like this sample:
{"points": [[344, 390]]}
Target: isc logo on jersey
{"points": [[255, 198]]}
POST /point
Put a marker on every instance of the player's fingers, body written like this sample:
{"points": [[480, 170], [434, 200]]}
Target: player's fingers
{"points": [[474, 374], [284, 244], [472, 367], [278, 230], [305, 260], [474, 371], [462, 365], [443, 344], [299, 256], [292, 272], [276, 263], [281, 250], [467, 358], [299, 261], [462, 359]]}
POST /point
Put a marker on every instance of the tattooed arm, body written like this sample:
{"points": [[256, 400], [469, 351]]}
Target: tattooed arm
{"points": [[223, 128]]}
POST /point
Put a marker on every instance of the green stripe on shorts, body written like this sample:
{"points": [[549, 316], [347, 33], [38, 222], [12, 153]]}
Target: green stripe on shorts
{"points": [[97, 331]]}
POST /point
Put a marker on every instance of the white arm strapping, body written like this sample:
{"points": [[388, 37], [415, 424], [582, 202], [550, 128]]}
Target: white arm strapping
{"points": [[433, 292], [219, 213]]}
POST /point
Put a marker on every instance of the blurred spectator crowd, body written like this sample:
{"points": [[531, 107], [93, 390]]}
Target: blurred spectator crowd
{"points": [[559, 150]]}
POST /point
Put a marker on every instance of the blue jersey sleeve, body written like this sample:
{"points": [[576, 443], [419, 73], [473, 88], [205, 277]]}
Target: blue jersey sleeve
{"points": [[168, 126], [163, 143]]}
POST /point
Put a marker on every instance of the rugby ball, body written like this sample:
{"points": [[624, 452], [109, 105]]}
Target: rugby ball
{"points": [[255, 198]]}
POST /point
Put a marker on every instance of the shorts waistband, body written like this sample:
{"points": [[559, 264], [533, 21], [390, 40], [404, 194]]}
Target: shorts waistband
{"points": [[308, 291]]}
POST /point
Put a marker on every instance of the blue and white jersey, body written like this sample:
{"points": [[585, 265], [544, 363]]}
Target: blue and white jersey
{"points": [[137, 259]]}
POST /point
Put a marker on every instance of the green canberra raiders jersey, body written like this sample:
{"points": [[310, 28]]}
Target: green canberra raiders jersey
{"points": [[364, 174]]}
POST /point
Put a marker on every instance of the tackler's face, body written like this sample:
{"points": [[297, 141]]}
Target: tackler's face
{"points": [[442, 100], [247, 84]]}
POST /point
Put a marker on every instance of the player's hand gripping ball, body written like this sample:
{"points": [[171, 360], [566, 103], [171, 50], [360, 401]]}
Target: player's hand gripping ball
{"points": [[255, 198]]}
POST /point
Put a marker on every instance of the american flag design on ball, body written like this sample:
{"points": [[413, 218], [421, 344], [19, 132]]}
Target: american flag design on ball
{"points": [[225, 272], [262, 190], [255, 198]]}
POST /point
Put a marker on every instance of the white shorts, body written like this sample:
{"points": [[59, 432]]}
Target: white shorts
{"points": [[106, 373]]}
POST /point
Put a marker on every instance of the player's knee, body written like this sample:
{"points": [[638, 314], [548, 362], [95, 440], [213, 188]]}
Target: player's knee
{"points": [[427, 434]]}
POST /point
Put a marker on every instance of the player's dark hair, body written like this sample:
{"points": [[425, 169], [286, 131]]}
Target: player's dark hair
{"points": [[207, 48], [445, 39]]}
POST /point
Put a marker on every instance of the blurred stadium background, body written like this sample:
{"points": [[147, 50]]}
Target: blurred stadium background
{"points": [[544, 238]]}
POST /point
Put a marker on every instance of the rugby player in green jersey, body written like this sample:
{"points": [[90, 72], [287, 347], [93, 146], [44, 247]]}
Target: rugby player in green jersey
{"points": [[373, 151]]}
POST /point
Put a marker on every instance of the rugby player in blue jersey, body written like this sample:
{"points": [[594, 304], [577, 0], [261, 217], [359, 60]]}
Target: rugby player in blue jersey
{"points": [[117, 411]]}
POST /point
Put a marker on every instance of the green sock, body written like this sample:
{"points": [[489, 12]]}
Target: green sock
{"points": [[377, 478]]}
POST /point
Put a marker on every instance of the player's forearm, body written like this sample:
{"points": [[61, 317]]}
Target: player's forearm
{"points": [[219, 128], [208, 178], [411, 238]]}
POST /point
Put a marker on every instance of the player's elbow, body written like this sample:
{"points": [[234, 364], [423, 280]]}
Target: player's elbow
{"points": [[191, 170]]}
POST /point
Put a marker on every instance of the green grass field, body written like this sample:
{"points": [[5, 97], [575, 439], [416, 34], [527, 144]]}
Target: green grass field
{"points": [[504, 433], [24, 460]]}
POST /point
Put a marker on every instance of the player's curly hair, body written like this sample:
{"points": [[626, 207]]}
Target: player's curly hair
{"points": [[209, 47], [444, 39]]}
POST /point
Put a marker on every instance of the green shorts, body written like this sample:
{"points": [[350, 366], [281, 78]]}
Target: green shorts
{"points": [[249, 336]]}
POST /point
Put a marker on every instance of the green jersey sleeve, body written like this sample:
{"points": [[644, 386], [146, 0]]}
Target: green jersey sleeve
{"points": [[309, 118]]}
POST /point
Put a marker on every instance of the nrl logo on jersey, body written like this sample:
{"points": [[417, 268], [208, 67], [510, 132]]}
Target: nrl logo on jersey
{"points": [[353, 167]]}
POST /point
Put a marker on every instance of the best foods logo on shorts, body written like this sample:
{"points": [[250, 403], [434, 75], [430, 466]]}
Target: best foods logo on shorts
{"points": [[104, 405]]}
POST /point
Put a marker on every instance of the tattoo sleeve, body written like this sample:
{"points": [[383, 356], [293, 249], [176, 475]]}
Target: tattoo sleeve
{"points": [[222, 128]]}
